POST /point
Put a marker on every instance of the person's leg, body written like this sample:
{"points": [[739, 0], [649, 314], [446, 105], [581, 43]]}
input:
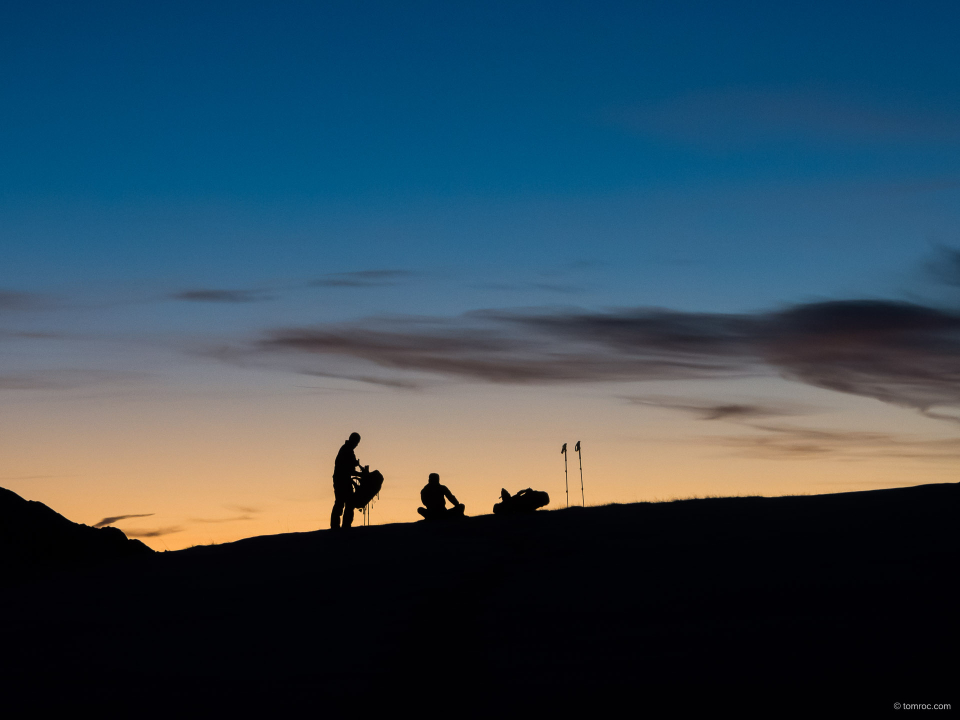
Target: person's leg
{"points": [[335, 515], [347, 515]]}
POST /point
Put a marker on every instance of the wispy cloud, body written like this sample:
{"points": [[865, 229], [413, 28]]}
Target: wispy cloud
{"points": [[206, 295], [898, 352], [66, 379], [791, 442], [222, 520], [246, 513], [154, 532], [12, 300], [245, 509], [388, 382], [31, 382], [751, 116], [30, 335], [944, 266], [707, 410], [118, 518], [363, 279]]}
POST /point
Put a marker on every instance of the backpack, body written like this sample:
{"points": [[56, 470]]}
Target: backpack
{"points": [[366, 486], [525, 501]]}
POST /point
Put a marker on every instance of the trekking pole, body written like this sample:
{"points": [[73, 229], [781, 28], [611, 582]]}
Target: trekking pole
{"points": [[566, 482], [580, 455]]}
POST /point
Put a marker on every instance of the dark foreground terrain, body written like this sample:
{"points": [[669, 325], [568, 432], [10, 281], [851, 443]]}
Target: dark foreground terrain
{"points": [[760, 605], [35, 540]]}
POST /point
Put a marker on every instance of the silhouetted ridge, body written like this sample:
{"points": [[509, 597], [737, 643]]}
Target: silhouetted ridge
{"points": [[34, 537], [846, 601]]}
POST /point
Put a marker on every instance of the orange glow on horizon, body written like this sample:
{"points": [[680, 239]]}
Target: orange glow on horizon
{"points": [[218, 469]]}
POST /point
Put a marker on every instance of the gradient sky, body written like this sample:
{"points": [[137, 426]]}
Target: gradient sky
{"points": [[718, 245]]}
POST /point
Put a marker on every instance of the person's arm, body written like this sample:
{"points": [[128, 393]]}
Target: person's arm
{"points": [[450, 497]]}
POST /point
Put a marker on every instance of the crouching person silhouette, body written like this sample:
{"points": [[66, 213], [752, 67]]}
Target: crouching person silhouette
{"points": [[434, 497], [344, 470]]}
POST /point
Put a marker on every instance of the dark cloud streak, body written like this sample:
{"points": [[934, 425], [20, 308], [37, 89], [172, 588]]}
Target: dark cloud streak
{"points": [[897, 352], [223, 296], [245, 509], [67, 379], [118, 518], [395, 383], [731, 118], [12, 300], [31, 382], [222, 520], [945, 266], [154, 532], [706, 410], [778, 442]]}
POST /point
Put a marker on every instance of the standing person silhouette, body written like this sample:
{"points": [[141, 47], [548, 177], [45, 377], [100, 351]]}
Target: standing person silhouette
{"points": [[344, 469], [434, 497]]}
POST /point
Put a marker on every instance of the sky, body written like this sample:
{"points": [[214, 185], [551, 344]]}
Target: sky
{"points": [[717, 244]]}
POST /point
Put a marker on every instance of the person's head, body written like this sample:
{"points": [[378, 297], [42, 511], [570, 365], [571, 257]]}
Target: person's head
{"points": [[353, 440], [433, 479]]}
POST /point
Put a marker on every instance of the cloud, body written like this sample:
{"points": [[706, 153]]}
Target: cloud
{"points": [[222, 520], [12, 300], [223, 296], [944, 267], [497, 352], [707, 410], [928, 186], [245, 509], [66, 379], [30, 335], [791, 442], [118, 518], [900, 353], [737, 117], [897, 352], [397, 383], [155, 532], [363, 279], [246, 513], [31, 382], [782, 441]]}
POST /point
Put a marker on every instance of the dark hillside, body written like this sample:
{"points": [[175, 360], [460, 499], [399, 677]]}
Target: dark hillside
{"points": [[34, 538], [847, 599]]}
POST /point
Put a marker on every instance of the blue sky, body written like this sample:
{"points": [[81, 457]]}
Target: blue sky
{"points": [[239, 143], [246, 101]]}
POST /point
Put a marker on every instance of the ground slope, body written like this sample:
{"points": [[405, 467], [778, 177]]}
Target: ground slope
{"points": [[847, 598], [34, 538]]}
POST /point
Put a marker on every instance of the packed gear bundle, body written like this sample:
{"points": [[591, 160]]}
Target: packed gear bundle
{"points": [[525, 501]]}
